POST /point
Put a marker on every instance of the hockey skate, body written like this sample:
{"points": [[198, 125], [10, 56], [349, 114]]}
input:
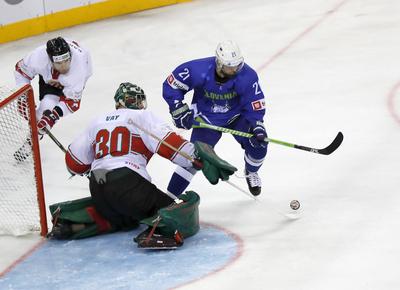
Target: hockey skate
{"points": [[60, 230], [254, 182], [24, 151]]}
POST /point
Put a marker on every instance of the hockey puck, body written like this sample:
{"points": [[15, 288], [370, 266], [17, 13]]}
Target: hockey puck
{"points": [[295, 204]]}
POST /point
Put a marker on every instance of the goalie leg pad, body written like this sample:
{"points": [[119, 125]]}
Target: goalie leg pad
{"points": [[172, 224], [77, 219]]}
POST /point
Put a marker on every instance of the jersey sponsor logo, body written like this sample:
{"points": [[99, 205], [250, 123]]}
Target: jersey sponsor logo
{"points": [[258, 105], [175, 84], [134, 165]]}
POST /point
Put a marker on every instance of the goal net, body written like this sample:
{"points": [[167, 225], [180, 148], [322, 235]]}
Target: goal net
{"points": [[22, 206]]}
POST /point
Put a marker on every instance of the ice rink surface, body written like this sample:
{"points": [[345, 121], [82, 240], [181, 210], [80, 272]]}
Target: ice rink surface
{"points": [[325, 66]]}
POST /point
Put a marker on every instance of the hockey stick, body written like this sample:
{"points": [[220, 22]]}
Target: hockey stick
{"points": [[184, 155], [58, 143], [291, 215], [325, 151]]}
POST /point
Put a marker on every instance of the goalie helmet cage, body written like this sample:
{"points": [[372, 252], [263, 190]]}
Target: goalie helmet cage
{"points": [[22, 204]]}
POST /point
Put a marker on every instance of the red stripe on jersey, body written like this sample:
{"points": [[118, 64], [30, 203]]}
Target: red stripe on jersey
{"points": [[18, 69], [74, 164], [174, 140], [72, 105], [137, 146]]}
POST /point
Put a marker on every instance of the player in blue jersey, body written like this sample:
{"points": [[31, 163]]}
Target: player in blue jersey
{"points": [[226, 93]]}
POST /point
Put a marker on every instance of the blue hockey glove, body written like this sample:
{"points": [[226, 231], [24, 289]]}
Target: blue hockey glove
{"points": [[182, 116], [259, 135]]}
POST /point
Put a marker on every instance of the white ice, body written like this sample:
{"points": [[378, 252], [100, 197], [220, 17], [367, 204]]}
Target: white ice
{"points": [[325, 66]]}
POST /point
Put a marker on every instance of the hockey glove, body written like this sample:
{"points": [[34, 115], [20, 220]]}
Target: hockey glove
{"points": [[259, 135], [214, 168], [182, 116], [49, 118]]}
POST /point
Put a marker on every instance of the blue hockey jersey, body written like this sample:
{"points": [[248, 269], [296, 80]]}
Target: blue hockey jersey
{"points": [[217, 103]]}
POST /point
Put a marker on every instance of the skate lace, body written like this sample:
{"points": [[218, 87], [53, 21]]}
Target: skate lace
{"points": [[253, 179]]}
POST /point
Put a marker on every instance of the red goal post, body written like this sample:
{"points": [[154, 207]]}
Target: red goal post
{"points": [[22, 203]]}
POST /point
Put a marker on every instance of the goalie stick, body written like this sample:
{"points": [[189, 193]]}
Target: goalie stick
{"points": [[325, 151]]}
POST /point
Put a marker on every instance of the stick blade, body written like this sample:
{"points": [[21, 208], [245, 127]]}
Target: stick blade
{"points": [[333, 146]]}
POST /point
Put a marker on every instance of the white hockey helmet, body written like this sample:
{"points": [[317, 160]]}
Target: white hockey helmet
{"points": [[228, 58]]}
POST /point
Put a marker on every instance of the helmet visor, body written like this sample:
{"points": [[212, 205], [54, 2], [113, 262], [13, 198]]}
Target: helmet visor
{"points": [[231, 70]]}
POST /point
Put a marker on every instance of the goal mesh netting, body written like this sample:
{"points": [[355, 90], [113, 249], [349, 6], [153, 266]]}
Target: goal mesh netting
{"points": [[22, 207]]}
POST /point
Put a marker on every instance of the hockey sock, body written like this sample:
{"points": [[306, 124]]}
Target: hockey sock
{"points": [[180, 180], [252, 164]]}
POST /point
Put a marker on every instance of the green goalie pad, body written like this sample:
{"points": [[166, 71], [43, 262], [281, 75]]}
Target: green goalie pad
{"points": [[79, 211], [214, 168], [182, 217]]}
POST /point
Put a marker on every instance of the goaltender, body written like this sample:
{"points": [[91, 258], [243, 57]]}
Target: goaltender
{"points": [[114, 151]]}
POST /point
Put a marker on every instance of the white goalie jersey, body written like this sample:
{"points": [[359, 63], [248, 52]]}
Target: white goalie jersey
{"points": [[115, 140]]}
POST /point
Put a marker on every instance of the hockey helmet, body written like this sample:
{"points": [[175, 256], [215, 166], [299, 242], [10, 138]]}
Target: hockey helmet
{"points": [[228, 58], [58, 50], [130, 96]]}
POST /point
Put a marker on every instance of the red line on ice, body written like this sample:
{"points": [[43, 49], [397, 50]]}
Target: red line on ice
{"points": [[239, 253], [391, 102], [23, 257], [302, 35]]}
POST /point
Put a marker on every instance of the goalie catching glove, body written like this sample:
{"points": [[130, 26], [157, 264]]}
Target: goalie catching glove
{"points": [[213, 167]]}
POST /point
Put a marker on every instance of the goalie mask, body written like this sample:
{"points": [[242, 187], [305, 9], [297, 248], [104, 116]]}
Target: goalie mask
{"points": [[228, 58], [130, 96]]}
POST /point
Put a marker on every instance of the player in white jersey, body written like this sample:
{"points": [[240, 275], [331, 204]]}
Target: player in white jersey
{"points": [[63, 67], [116, 148]]}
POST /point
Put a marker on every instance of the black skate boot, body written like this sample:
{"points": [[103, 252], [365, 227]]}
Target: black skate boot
{"points": [[254, 182], [61, 230]]}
